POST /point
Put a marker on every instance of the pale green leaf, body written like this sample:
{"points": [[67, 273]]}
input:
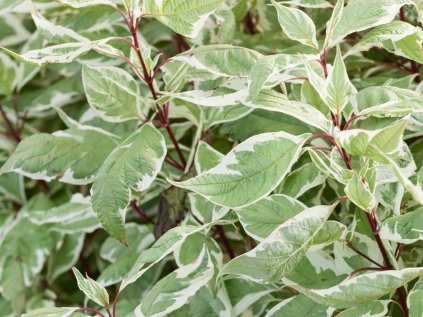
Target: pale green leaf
{"points": [[297, 25], [134, 164], [279, 253], [375, 309], [406, 228], [112, 93], [174, 290], [359, 193], [414, 302], [362, 289], [271, 100], [299, 305], [8, 75], [92, 289], [52, 312], [250, 171], [333, 22], [185, 17], [72, 156], [360, 15]]}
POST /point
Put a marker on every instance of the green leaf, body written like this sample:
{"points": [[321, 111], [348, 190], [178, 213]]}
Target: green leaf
{"points": [[406, 228], [221, 60], [61, 53], [333, 22], [299, 305], [8, 75], [279, 253], [250, 171], [174, 290], [263, 217], [414, 302], [75, 216], [361, 289], [374, 309], [72, 156], [387, 140], [87, 3], [184, 17], [134, 164], [92, 289], [112, 93], [8, 5], [166, 244], [297, 25], [206, 157], [301, 180], [358, 191], [52, 312], [360, 15], [271, 100]]}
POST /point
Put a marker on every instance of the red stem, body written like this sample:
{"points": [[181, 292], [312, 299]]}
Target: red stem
{"points": [[225, 241], [91, 311]]}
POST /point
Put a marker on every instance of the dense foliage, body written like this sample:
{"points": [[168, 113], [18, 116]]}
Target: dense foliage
{"points": [[211, 158]]}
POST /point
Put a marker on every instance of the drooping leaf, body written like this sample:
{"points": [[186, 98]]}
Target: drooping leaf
{"points": [[72, 156], [134, 164], [406, 228]]}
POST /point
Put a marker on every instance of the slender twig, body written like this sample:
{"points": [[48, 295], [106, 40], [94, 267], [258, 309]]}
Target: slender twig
{"points": [[363, 269], [140, 211], [115, 303], [225, 241], [349, 244], [398, 251], [91, 311]]}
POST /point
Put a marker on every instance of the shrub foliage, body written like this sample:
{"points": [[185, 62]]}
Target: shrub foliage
{"points": [[211, 158]]}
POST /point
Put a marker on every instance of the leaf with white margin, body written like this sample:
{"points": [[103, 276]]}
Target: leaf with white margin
{"points": [[301, 180], [374, 143], [8, 5], [54, 33], [210, 98], [358, 191], [336, 88], [92, 289], [175, 289], [331, 232], [297, 25], [87, 3], [204, 210], [374, 309], [268, 66], [112, 93], [12, 187], [406, 228], [279, 253], [250, 171], [414, 299], [396, 108], [52, 312], [331, 25], [8, 75], [206, 157], [361, 289], [221, 59], [274, 101], [393, 31], [308, 3], [75, 216], [244, 293], [260, 219], [72, 156], [184, 17], [360, 15], [299, 305], [61, 53], [134, 164], [206, 302], [66, 256]]}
